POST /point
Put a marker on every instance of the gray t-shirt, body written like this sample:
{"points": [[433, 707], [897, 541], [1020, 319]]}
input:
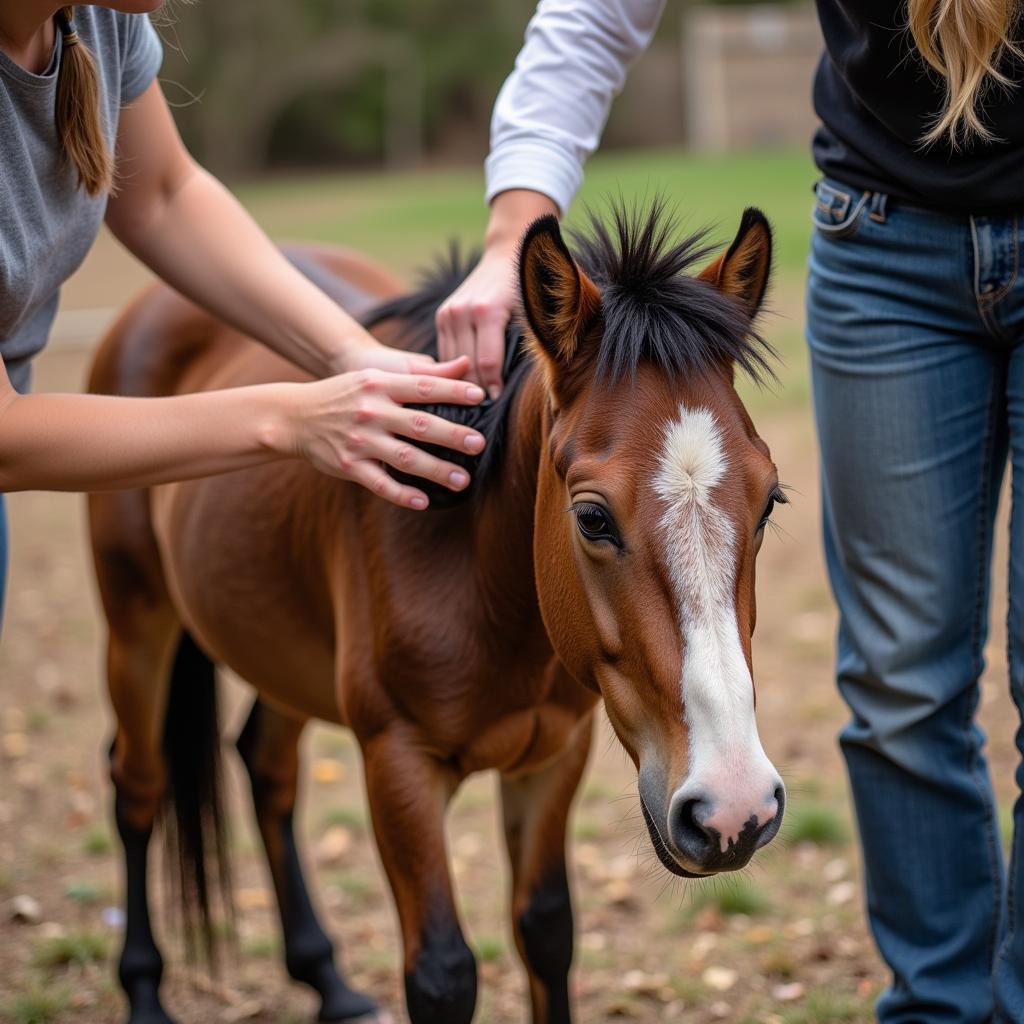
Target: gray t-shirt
{"points": [[47, 221]]}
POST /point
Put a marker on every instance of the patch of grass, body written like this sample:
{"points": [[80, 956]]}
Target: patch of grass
{"points": [[261, 946], [728, 895], [83, 892], [77, 948], [352, 818], [357, 889], [97, 842], [488, 949], [41, 1004], [1006, 824], [587, 830], [37, 719], [334, 742], [815, 823], [828, 1006], [598, 792], [780, 964], [690, 989]]}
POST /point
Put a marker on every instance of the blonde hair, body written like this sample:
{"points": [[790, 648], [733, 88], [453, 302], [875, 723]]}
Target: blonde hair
{"points": [[965, 41], [78, 116]]}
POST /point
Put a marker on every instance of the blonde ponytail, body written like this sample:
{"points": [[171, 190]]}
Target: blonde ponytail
{"points": [[965, 41], [79, 122]]}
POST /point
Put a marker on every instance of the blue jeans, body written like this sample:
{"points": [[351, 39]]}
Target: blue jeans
{"points": [[3, 558], [914, 323]]}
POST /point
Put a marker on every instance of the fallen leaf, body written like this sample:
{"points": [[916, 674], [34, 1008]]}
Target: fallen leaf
{"points": [[15, 745], [254, 899], [720, 979], [835, 870], [327, 769], [788, 993], [840, 893], [332, 846], [26, 910]]}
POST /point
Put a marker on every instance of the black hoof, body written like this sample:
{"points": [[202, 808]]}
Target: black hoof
{"points": [[343, 1004], [151, 1015]]}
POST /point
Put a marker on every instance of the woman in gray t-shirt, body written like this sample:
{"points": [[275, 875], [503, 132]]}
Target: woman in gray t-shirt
{"points": [[76, 86]]}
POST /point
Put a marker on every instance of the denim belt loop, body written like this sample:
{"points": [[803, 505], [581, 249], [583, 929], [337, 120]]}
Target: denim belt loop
{"points": [[876, 207]]}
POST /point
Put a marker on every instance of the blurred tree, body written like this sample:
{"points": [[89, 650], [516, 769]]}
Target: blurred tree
{"points": [[315, 80]]}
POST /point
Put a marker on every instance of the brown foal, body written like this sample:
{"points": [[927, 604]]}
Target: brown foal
{"points": [[606, 551]]}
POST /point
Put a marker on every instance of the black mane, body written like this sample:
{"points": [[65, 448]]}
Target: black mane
{"points": [[652, 311]]}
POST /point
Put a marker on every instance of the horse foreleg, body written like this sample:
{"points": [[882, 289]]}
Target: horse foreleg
{"points": [[138, 668], [269, 747], [536, 809], [409, 791]]}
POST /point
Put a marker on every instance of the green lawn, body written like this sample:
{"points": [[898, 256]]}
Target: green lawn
{"points": [[404, 219]]}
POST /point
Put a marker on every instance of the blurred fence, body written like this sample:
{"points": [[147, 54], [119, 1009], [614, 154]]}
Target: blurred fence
{"points": [[748, 73], [261, 84]]}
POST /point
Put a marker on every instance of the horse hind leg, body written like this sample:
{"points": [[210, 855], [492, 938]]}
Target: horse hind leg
{"points": [[143, 632], [268, 744]]}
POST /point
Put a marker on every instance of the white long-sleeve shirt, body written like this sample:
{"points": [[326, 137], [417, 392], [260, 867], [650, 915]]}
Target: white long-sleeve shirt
{"points": [[550, 113]]}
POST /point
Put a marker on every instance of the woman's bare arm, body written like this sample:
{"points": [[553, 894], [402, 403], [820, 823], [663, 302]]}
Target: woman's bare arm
{"points": [[344, 425]]}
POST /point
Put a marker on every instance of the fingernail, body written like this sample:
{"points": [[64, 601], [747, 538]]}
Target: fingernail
{"points": [[418, 503], [493, 392], [474, 394], [474, 442], [458, 479]]}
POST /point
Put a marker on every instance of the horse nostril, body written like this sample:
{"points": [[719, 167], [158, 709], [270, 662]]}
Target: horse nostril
{"points": [[691, 836], [769, 829]]}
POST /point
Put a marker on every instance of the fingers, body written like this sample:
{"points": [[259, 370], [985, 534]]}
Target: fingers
{"points": [[490, 349], [446, 350], [423, 427], [455, 368], [421, 389], [414, 461], [465, 335], [375, 479]]}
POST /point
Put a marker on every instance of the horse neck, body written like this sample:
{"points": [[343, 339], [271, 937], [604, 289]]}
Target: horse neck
{"points": [[504, 526]]}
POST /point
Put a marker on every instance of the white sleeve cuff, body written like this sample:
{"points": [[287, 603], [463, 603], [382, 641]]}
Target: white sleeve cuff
{"points": [[537, 165]]}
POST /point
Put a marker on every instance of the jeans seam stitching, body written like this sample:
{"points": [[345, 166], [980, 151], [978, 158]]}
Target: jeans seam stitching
{"points": [[1015, 853], [976, 627]]}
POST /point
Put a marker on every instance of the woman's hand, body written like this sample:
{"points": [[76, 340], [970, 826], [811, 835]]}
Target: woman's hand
{"points": [[349, 425], [367, 353], [472, 320]]}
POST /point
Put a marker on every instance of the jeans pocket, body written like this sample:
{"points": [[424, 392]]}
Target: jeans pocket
{"points": [[838, 214]]}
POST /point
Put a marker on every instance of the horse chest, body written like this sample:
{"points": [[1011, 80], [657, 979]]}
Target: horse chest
{"points": [[520, 741]]}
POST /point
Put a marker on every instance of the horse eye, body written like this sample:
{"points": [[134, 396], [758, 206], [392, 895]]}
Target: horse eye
{"points": [[777, 497], [595, 523]]}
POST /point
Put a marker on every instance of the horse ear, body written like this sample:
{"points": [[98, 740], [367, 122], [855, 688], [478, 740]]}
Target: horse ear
{"points": [[559, 300], [743, 270]]}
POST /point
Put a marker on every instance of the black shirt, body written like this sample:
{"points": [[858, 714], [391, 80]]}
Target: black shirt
{"points": [[876, 98]]}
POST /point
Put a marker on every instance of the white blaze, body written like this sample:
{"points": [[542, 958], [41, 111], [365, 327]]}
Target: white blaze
{"points": [[726, 757]]}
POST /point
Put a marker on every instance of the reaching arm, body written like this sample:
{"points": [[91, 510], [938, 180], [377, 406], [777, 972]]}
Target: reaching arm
{"points": [[547, 120], [188, 228], [344, 425], [551, 111]]}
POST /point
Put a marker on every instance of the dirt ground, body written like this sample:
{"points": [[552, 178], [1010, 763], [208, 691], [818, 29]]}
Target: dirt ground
{"points": [[785, 944]]}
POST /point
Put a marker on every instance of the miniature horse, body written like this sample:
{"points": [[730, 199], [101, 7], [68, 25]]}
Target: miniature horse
{"points": [[607, 551]]}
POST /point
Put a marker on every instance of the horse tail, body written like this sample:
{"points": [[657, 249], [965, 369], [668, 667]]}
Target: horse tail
{"points": [[197, 852]]}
